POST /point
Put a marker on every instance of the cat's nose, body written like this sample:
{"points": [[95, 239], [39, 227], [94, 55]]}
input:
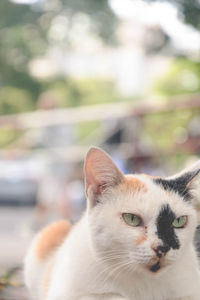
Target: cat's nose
{"points": [[160, 250]]}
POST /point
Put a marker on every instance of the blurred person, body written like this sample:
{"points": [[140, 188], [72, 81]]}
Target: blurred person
{"points": [[73, 195], [75, 198], [49, 194], [54, 135]]}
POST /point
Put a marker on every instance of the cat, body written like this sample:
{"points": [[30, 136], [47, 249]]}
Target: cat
{"points": [[134, 242]]}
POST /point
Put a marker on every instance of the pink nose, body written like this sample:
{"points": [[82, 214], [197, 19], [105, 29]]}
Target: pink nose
{"points": [[160, 250], [157, 252]]}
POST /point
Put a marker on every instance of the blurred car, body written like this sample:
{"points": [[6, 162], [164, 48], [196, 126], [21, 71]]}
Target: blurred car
{"points": [[19, 181]]}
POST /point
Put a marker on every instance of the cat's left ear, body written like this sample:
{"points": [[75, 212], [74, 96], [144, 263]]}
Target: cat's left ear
{"points": [[101, 173], [188, 181]]}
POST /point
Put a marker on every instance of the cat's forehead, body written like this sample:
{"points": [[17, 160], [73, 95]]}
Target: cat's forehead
{"points": [[144, 192], [149, 184], [141, 183]]}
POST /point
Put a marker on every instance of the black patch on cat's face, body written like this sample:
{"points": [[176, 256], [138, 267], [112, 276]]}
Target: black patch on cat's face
{"points": [[155, 267], [165, 230], [179, 184]]}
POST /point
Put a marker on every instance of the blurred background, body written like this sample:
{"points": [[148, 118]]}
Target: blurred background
{"points": [[122, 75]]}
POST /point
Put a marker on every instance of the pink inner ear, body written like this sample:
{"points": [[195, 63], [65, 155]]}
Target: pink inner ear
{"points": [[101, 188], [98, 190], [100, 171]]}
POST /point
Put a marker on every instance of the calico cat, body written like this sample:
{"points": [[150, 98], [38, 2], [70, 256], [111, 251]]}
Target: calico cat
{"points": [[134, 242]]}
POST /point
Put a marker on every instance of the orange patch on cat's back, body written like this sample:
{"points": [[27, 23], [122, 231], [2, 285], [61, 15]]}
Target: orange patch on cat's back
{"points": [[51, 238], [47, 279], [133, 183]]}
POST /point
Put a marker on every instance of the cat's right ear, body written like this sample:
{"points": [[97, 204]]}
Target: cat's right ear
{"points": [[101, 173]]}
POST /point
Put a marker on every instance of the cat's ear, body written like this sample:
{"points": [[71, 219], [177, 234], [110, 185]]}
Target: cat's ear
{"points": [[188, 181], [101, 173]]}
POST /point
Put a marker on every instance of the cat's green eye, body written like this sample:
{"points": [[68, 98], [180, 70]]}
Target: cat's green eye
{"points": [[132, 219], [180, 222]]}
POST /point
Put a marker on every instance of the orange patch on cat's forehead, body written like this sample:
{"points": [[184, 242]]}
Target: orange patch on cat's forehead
{"points": [[51, 237], [133, 183], [151, 176]]}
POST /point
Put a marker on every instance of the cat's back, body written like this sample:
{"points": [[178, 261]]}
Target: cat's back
{"points": [[41, 254]]}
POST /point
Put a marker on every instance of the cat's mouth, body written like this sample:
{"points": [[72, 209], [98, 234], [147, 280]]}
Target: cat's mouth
{"points": [[155, 267], [156, 264]]}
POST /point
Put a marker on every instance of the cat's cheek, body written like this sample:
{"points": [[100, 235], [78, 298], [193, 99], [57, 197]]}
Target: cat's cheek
{"points": [[140, 240], [137, 234]]}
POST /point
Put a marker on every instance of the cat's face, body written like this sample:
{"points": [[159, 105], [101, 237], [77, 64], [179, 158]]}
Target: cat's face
{"points": [[135, 226], [138, 222]]}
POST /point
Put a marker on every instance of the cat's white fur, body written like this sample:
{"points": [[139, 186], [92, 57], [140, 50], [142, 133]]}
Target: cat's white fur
{"points": [[101, 257]]}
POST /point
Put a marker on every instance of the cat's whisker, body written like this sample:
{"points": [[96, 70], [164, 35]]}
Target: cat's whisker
{"points": [[103, 275], [129, 269], [116, 267], [112, 257], [108, 270]]}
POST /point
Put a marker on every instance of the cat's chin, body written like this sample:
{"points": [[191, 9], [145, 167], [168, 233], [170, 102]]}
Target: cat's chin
{"points": [[156, 266]]}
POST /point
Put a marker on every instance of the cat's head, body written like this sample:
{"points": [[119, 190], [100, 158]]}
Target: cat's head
{"points": [[138, 221]]}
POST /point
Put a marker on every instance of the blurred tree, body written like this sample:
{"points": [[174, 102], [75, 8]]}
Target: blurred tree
{"points": [[102, 17], [24, 35], [183, 76], [16, 39]]}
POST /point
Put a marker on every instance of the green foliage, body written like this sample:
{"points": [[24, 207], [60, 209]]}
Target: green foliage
{"points": [[24, 36], [95, 91], [102, 17], [8, 135], [190, 11], [183, 77], [85, 129], [15, 100], [169, 126], [70, 93], [21, 39]]}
